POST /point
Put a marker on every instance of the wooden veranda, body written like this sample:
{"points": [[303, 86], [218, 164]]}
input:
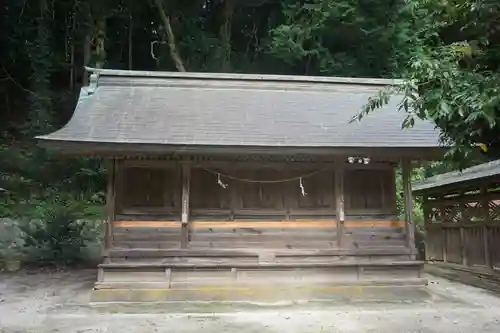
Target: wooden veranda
{"points": [[462, 217]]}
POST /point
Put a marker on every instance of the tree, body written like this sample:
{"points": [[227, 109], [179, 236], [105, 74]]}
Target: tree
{"points": [[343, 38], [445, 50], [451, 73]]}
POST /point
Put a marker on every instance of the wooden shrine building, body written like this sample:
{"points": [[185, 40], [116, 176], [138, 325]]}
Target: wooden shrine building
{"points": [[232, 180], [462, 219]]}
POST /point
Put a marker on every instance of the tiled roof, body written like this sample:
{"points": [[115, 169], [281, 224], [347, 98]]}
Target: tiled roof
{"points": [[124, 107], [457, 178]]}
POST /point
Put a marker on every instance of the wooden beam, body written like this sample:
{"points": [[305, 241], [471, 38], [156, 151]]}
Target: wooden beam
{"points": [[339, 199], [463, 246], [306, 224], [228, 162], [123, 148], [186, 179], [427, 224], [485, 205], [233, 202], [408, 203], [463, 235], [119, 187], [444, 234], [110, 204], [426, 210]]}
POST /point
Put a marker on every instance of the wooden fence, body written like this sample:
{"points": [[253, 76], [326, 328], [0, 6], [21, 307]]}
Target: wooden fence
{"points": [[464, 228]]}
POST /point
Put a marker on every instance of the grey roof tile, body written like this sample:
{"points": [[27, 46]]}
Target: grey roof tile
{"points": [[457, 178], [238, 110]]}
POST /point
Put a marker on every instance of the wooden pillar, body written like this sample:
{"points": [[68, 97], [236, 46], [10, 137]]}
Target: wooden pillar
{"points": [[186, 179], [443, 230], [408, 203], [485, 204], [427, 222], [463, 235], [463, 246], [233, 202], [339, 199], [110, 205]]}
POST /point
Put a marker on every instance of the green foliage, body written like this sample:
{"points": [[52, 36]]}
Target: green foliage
{"points": [[446, 52], [11, 244], [30, 173], [451, 75], [347, 38], [55, 202], [56, 232], [418, 174]]}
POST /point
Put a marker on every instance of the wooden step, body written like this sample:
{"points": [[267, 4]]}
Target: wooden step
{"points": [[255, 252], [236, 264], [232, 261]]}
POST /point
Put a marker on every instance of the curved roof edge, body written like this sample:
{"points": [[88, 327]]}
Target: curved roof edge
{"points": [[245, 110]]}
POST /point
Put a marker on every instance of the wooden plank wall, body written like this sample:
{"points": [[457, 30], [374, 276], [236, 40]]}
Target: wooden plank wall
{"points": [[302, 234], [261, 234], [464, 228], [227, 212], [367, 192], [149, 193], [147, 234], [374, 233], [253, 200], [370, 192]]}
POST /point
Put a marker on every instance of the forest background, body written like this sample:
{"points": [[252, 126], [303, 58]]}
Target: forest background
{"points": [[446, 51]]}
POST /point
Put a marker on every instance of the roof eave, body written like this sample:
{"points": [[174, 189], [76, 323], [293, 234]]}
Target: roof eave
{"points": [[454, 187], [115, 148], [472, 176]]}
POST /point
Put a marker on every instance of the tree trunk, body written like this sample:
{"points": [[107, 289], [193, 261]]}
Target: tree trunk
{"points": [[174, 53], [41, 64], [130, 39], [72, 65], [87, 51], [225, 35], [87, 44], [72, 49], [100, 50]]}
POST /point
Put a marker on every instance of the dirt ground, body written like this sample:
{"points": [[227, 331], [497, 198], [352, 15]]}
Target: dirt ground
{"points": [[58, 302]]}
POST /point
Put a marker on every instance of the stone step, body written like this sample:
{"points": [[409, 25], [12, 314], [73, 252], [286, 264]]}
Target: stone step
{"points": [[230, 273], [394, 289], [132, 281]]}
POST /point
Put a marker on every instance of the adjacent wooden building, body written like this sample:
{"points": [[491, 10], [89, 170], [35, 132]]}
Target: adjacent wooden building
{"points": [[229, 180], [462, 218]]}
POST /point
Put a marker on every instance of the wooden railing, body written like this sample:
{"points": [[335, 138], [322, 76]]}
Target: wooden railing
{"points": [[464, 228]]}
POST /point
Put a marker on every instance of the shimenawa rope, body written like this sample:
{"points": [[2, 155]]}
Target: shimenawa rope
{"points": [[284, 180]]}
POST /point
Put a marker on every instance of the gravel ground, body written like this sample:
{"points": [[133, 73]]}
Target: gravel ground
{"points": [[58, 302]]}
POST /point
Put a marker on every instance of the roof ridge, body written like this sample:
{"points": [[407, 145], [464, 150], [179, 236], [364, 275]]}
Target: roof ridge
{"points": [[244, 77]]}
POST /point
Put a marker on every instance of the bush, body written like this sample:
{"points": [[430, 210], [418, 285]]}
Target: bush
{"points": [[57, 233], [11, 243]]}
